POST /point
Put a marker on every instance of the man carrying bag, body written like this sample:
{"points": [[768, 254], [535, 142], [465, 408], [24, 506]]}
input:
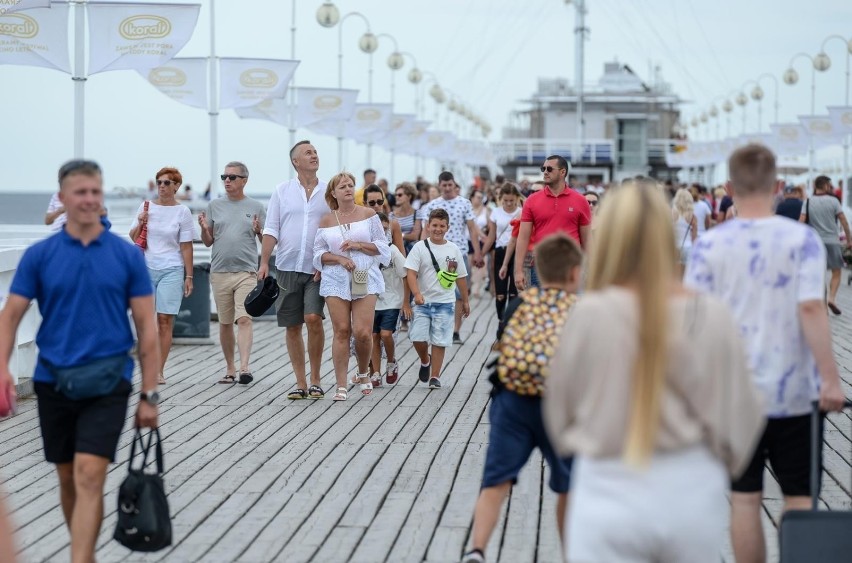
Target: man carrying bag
{"points": [[84, 280]]}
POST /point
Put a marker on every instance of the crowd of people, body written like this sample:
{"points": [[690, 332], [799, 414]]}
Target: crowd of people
{"points": [[642, 444]]}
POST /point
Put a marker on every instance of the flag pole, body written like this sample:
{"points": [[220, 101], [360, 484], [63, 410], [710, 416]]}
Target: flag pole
{"points": [[79, 78], [213, 104], [292, 88]]}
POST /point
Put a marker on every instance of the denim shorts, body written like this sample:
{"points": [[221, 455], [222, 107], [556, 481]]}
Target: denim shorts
{"points": [[385, 319], [517, 429], [433, 323], [168, 289]]}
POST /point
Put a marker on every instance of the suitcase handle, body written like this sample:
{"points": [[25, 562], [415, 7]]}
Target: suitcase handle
{"points": [[817, 423]]}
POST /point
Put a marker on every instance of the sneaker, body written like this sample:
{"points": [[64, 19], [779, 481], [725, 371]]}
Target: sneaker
{"points": [[434, 383], [474, 556], [457, 338], [392, 373], [376, 380], [424, 372]]}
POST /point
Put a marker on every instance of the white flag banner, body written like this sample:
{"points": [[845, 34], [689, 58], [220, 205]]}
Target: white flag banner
{"points": [[318, 104], [36, 37], [791, 139], [437, 144], [821, 130], [245, 82], [369, 122], [276, 110], [674, 154], [841, 118], [410, 141], [183, 80], [9, 6], [400, 126], [137, 36]]}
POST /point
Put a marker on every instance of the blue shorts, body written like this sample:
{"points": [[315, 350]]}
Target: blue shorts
{"points": [[466, 269], [168, 289], [433, 323], [517, 429], [385, 320]]}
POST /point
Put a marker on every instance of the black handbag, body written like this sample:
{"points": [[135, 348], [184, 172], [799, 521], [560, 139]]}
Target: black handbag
{"points": [[97, 378], [144, 523]]}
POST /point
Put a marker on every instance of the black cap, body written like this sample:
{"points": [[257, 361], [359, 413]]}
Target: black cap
{"points": [[262, 297]]}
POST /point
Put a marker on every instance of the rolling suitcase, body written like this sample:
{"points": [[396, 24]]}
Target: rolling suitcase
{"points": [[816, 536]]}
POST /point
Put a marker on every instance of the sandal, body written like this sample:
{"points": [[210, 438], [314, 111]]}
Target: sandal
{"points": [[246, 377], [366, 388], [228, 379], [161, 380], [376, 380], [297, 394], [341, 394], [315, 392], [834, 308]]}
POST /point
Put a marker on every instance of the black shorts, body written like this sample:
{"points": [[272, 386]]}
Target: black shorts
{"points": [[91, 426], [786, 443]]}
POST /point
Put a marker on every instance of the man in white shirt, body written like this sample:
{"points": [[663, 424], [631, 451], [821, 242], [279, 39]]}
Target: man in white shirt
{"points": [[292, 220]]}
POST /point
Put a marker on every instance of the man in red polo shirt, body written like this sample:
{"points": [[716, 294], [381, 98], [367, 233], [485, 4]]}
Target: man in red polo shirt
{"points": [[555, 208]]}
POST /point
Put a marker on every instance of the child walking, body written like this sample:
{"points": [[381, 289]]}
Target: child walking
{"points": [[434, 268]]}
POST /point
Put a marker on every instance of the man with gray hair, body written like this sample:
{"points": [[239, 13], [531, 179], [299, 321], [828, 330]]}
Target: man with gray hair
{"points": [[232, 226]]}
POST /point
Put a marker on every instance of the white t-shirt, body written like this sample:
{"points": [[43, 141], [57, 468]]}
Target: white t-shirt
{"points": [[293, 220], [168, 226], [392, 298], [702, 210], [53, 206], [501, 221], [448, 256], [460, 211], [763, 269]]}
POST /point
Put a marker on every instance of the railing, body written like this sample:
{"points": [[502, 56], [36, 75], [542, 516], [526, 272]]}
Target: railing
{"points": [[594, 151]]}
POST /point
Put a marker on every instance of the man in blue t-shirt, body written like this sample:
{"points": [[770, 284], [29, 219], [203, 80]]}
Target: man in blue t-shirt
{"points": [[84, 279]]}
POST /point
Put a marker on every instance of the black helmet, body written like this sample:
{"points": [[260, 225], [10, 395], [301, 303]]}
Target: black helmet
{"points": [[262, 297]]}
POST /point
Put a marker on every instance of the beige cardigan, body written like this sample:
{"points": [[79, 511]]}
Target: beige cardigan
{"points": [[709, 398]]}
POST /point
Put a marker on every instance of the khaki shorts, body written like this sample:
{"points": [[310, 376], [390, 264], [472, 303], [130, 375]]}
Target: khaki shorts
{"points": [[230, 290]]}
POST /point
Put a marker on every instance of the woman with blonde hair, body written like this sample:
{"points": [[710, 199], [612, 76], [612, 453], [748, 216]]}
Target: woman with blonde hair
{"points": [[658, 428], [685, 225]]}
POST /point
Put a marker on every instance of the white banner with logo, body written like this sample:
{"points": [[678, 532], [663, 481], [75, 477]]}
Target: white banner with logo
{"points": [[245, 82], [438, 144], [368, 121], [791, 139], [9, 6], [36, 37], [183, 80], [276, 110], [821, 129], [400, 126], [409, 143], [318, 104], [137, 36], [841, 117]]}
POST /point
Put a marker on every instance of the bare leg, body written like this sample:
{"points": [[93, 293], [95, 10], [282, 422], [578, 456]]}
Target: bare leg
{"points": [[746, 528], [7, 544], [164, 328], [376, 357], [797, 503], [363, 312], [67, 494], [390, 345], [487, 512], [226, 339], [459, 315], [561, 514], [437, 360], [341, 319], [245, 337], [89, 476], [316, 342], [422, 349], [296, 351], [834, 285]]}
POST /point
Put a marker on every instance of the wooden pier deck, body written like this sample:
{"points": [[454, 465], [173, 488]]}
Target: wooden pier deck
{"points": [[254, 477]]}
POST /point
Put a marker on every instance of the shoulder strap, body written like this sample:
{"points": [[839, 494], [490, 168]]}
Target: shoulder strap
{"points": [[434, 261], [807, 211]]}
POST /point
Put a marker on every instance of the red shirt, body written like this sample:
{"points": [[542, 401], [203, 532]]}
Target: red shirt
{"points": [[549, 214]]}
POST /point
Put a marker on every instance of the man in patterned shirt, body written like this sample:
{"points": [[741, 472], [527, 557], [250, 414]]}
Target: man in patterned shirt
{"points": [[462, 228]]}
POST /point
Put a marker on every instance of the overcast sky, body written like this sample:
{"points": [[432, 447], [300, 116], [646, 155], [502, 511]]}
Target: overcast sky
{"points": [[488, 53]]}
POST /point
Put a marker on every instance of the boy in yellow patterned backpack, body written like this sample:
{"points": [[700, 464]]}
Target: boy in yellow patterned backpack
{"points": [[528, 336]]}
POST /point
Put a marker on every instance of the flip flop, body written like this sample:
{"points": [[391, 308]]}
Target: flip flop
{"points": [[228, 379], [834, 308], [297, 394], [246, 378], [315, 392]]}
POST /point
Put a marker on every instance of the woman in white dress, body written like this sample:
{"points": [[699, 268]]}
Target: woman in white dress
{"points": [[685, 226], [350, 238]]}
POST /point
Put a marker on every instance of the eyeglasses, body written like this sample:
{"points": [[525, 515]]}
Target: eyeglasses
{"points": [[549, 169], [166, 183], [592, 203], [375, 202], [232, 177], [399, 194], [87, 166]]}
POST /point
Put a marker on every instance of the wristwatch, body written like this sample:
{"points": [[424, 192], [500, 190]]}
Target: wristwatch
{"points": [[152, 397]]}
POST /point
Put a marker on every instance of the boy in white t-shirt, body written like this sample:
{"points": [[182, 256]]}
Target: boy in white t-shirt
{"points": [[436, 266], [388, 305], [769, 270]]}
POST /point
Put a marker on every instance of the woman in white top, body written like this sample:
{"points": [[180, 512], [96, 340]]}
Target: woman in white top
{"points": [[685, 225], [481, 216], [658, 428], [350, 238], [170, 232], [499, 235]]}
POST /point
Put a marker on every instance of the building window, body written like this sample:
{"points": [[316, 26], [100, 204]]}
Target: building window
{"points": [[632, 143]]}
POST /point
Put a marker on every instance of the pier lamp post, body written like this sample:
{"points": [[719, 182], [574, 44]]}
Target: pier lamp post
{"points": [[757, 95], [819, 63], [823, 56], [328, 16]]}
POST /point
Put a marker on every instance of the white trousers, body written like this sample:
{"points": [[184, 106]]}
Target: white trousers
{"points": [[673, 510]]}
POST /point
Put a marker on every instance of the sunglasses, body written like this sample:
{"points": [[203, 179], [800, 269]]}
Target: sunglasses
{"points": [[592, 203], [549, 168], [375, 202], [232, 177], [400, 194], [166, 183], [86, 166]]}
